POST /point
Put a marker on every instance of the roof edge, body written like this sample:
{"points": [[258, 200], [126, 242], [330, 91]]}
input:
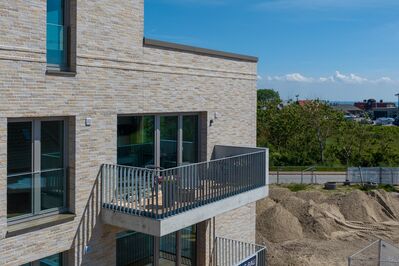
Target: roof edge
{"points": [[197, 50]]}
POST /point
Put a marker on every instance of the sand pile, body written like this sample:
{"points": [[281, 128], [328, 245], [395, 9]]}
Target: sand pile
{"points": [[358, 206], [279, 225], [307, 218]]}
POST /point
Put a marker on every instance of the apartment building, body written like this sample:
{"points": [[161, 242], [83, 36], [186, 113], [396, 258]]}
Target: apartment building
{"points": [[120, 150]]}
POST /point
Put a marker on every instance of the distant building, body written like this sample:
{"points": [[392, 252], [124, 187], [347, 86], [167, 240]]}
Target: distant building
{"points": [[303, 102], [348, 109], [378, 109], [371, 104], [391, 112]]}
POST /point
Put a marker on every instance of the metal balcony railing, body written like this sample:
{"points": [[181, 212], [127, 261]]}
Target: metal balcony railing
{"points": [[228, 252], [160, 194]]}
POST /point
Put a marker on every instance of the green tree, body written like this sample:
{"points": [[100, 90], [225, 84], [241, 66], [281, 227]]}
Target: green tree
{"points": [[322, 122], [266, 96]]}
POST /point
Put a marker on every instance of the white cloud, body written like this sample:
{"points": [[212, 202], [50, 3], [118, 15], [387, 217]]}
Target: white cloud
{"points": [[338, 77], [350, 78], [384, 80], [260, 77], [298, 77], [294, 77]]}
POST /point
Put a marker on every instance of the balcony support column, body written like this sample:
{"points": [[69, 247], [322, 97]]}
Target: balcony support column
{"points": [[178, 248], [157, 241]]}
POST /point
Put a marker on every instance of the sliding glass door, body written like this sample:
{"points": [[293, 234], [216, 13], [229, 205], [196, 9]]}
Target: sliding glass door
{"points": [[168, 143], [136, 140], [137, 249], [158, 141], [190, 145]]}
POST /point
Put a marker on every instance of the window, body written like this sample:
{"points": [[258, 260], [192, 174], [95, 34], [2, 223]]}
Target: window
{"points": [[137, 249], [36, 168], [53, 260], [58, 34], [158, 141]]}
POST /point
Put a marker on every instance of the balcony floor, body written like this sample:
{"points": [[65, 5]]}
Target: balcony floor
{"points": [[161, 227]]}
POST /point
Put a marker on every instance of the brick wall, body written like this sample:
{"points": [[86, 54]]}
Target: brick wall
{"points": [[115, 75]]}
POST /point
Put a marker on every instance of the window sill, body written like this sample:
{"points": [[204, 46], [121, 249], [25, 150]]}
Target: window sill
{"points": [[33, 225], [61, 73]]}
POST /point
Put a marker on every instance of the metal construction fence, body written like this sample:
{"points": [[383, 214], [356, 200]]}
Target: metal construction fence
{"points": [[306, 175], [228, 252], [378, 253], [379, 175]]}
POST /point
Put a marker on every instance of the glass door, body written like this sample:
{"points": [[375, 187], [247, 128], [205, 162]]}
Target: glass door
{"points": [[158, 141], [190, 137], [134, 249], [136, 141], [167, 250], [168, 129], [189, 245]]}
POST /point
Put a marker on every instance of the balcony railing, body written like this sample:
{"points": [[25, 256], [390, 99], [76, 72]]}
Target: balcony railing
{"points": [[228, 252], [160, 194]]}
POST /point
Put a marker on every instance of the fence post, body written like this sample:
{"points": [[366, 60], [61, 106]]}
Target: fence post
{"points": [[392, 177], [278, 175], [361, 175], [379, 252], [380, 175], [313, 179], [302, 177]]}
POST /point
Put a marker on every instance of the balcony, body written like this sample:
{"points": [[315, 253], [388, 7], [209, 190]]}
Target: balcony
{"points": [[158, 202], [229, 252]]}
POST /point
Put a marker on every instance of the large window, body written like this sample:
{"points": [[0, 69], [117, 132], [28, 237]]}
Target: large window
{"points": [[58, 33], [168, 141], [136, 140], [53, 260], [159, 141], [36, 168], [138, 249]]}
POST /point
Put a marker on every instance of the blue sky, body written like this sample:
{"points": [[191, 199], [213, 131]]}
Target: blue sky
{"points": [[329, 49]]}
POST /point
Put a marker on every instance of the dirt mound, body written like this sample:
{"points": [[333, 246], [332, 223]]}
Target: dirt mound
{"points": [[278, 194], [316, 219], [264, 204], [324, 228], [358, 206], [316, 196], [277, 224]]}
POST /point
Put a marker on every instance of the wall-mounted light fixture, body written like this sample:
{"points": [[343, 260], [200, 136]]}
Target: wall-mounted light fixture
{"points": [[88, 122]]}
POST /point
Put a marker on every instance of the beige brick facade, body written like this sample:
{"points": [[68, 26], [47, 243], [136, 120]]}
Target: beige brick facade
{"points": [[115, 75]]}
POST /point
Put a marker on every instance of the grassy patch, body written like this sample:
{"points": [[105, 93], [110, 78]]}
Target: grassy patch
{"points": [[297, 187], [387, 188], [301, 168]]}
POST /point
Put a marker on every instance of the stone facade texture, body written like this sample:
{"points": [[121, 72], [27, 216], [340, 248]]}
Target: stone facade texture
{"points": [[115, 75]]}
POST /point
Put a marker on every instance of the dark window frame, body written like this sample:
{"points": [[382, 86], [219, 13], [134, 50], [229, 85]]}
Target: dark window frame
{"points": [[64, 260], [36, 155], [53, 69], [180, 138]]}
